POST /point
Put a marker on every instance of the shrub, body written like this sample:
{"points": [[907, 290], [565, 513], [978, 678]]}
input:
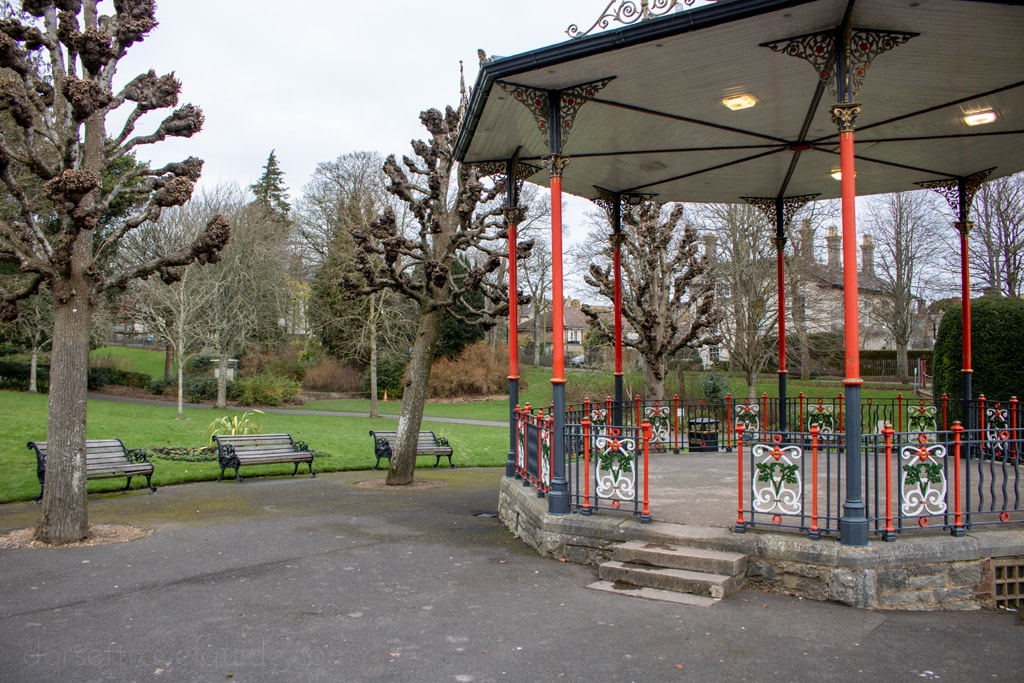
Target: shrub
{"points": [[478, 370], [390, 369], [284, 363], [15, 375], [714, 388], [103, 375], [264, 389], [330, 375], [997, 351]]}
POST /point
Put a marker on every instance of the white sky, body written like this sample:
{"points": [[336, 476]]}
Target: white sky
{"points": [[322, 78]]}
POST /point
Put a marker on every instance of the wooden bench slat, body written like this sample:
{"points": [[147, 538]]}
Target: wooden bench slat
{"points": [[235, 450], [104, 459]]}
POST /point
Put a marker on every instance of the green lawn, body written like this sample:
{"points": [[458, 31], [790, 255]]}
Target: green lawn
{"points": [[131, 359], [344, 442]]}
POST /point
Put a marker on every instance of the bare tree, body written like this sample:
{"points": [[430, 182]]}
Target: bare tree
{"points": [[903, 227], [667, 289], [444, 199], [347, 193], [997, 240], [34, 328], [535, 274], [56, 92], [745, 275]]}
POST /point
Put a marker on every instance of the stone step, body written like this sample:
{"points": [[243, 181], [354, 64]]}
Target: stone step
{"points": [[677, 557], [653, 594], [667, 578]]}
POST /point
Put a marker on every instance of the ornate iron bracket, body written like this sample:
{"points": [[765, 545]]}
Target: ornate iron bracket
{"points": [[820, 50], [951, 191], [629, 12], [627, 201], [569, 102], [790, 205]]}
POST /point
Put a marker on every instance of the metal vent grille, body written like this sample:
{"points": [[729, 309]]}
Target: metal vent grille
{"points": [[1008, 583]]}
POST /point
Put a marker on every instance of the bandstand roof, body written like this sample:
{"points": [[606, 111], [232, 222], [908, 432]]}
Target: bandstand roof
{"points": [[659, 126]]}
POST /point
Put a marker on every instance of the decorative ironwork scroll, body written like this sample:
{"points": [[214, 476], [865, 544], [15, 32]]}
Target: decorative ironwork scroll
{"points": [[777, 485], [823, 416], [569, 102], [627, 201], [748, 415], [921, 419], [790, 205], [661, 428], [950, 190], [922, 479], [630, 12], [614, 474], [820, 50]]}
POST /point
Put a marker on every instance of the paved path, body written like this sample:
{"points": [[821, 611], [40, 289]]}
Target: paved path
{"points": [[323, 580]]}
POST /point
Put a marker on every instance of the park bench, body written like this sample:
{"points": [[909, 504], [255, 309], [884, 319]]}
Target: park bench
{"points": [[428, 444], [236, 450], [104, 459]]}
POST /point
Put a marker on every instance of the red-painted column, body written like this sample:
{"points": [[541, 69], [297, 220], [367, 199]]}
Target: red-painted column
{"points": [[557, 302], [617, 269], [513, 334], [853, 526]]}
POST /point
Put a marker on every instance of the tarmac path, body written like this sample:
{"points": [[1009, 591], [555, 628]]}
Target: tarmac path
{"points": [[326, 579]]}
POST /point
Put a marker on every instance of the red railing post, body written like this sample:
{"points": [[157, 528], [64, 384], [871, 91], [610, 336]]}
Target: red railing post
{"points": [[740, 526], [815, 432], [636, 411], [677, 439], [766, 423], [800, 399], [729, 420], [945, 417], [540, 454], [1013, 428], [586, 465], [981, 414], [958, 524], [890, 532], [645, 514], [899, 411]]}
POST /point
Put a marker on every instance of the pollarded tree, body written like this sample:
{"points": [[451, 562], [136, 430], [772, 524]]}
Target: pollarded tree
{"points": [[445, 200], [667, 292], [997, 240], [57, 66]]}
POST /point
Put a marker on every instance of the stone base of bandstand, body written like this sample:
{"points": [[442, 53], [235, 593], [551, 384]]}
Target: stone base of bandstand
{"points": [[915, 572]]}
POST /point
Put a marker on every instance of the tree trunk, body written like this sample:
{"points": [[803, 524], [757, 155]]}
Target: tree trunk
{"points": [[222, 375], [168, 362], [403, 465], [33, 370], [64, 517], [654, 380], [902, 371], [181, 379], [374, 408]]}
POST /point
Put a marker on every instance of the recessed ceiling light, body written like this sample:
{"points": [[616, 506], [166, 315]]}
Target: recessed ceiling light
{"points": [[837, 174], [741, 101], [979, 118], [653, 167]]}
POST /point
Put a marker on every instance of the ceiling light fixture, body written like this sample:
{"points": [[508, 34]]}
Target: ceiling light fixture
{"points": [[979, 118], [741, 101], [837, 174]]}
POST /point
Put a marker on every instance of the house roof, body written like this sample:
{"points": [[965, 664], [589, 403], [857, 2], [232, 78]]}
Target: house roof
{"points": [[573, 319], [653, 121]]}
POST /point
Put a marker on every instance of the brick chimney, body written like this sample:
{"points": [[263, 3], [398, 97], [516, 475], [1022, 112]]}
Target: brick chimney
{"points": [[833, 241], [710, 247], [807, 241], [867, 256]]}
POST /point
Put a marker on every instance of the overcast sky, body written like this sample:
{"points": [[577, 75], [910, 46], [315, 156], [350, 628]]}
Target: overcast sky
{"points": [[317, 79]]}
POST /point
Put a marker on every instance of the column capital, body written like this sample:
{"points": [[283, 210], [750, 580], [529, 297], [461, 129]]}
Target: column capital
{"points": [[845, 116], [555, 164], [964, 227]]}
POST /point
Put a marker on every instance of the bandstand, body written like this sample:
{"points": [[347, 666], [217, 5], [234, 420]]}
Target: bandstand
{"points": [[775, 103]]}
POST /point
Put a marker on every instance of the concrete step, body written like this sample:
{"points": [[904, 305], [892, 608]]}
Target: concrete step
{"points": [[676, 557], [653, 594], [667, 578]]}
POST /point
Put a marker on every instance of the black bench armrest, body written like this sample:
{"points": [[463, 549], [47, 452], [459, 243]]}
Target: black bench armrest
{"points": [[300, 447], [137, 454], [442, 441]]}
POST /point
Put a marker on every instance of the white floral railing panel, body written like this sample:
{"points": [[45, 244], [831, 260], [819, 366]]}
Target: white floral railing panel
{"points": [[614, 475], [922, 479], [777, 485], [661, 425]]}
